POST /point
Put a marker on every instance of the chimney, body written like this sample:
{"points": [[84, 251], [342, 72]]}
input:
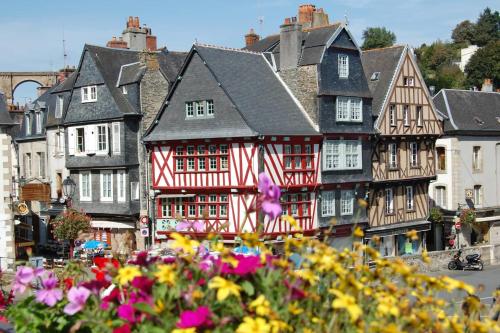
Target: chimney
{"points": [[251, 38], [117, 43], [310, 17], [135, 37], [130, 22], [320, 19], [290, 43], [64, 74], [487, 85], [136, 22], [150, 59], [151, 43]]}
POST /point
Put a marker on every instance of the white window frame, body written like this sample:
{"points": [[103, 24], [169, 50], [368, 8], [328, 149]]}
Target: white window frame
{"points": [[346, 202], [27, 120], [210, 108], [116, 138], [41, 164], [85, 196], [335, 151], [38, 122], [420, 114], [410, 202], [345, 109], [440, 196], [414, 154], [60, 106], [389, 201], [392, 115], [89, 94], [406, 115], [343, 66], [124, 90], [478, 195], [106, 197], [77, 151], [476, 158], [57, 142], [327, 203], [409, 81], [28, 164], [134, 191], [105, 149], [190, 109], [121, 188], [392, 151], [200, 106]]}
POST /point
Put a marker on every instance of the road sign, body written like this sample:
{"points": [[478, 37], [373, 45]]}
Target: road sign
{"points": [[145, 232], [144, 220]]}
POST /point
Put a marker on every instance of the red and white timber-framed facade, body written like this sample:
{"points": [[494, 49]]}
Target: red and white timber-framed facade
{"points": [[215, 181]]}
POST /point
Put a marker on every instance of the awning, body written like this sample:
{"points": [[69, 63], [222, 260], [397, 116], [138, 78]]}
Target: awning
{"points": [[98, 224], [175, 196], [397, 229], [488, 219]]}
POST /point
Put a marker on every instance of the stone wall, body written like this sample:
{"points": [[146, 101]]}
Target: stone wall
{"points": [[7, 246], [303, 81]]}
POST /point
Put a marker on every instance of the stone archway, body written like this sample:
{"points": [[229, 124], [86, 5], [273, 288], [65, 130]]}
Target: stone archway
{"points": [[9, 81]]}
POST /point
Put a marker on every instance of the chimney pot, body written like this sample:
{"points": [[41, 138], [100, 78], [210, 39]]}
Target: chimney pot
{"points": [[136, 22], [251, 38]]}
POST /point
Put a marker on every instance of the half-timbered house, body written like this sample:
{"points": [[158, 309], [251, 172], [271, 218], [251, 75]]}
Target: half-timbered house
{"points": [[228, 117], [403, 160]]}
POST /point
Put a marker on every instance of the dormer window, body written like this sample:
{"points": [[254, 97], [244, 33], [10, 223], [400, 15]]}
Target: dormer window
{"points": [[59, 106], [343, 66], [375, 76], [210, 108], [200, 109], [408, 81], [27, 120], [89, 94], [189, 109], [38, 122]]}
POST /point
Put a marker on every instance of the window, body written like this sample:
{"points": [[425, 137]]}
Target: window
{"points": [[210, 108], [106, 186], [478, 195], [406, 115], [196, 158], [166, 208], [80, 140], [201, 160], [41, 164], [223, 157], [85, 186], [309, 156], [375, 76], [102, 138], [420, 121], [393, 155], [59, 106], [134, 190], [297, 150], [27, 120], [476, 158], [38, 122], [27, 165], [124, 90], [409, 198], [179, 162], [349, 109], [408, 81], [297, 205], [389, 201], [287, 157], [200, 109], [195, 206], [58, 143], [116, 138], [346, 202], [342, 154], [392, 114], [328, 203], [440, 196], [89, 94], [343, 66], [120, 179], [413, 154], [189, 109], [441, 158], [190, 160]]}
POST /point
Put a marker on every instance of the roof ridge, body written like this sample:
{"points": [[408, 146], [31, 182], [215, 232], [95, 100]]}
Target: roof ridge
{"points": [[322, 27], [120, 49], [226, 48], [384, 48], [473, 91]]}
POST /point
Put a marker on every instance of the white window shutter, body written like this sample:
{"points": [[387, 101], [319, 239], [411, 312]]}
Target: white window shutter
{"points": [[71, 140], [116, 138], [90, 139], [360, 154]]}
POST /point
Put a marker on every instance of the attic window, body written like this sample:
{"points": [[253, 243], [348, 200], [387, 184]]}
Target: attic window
{"points": [[375, 76], [498, 119], [478, 121], [124, 90]]}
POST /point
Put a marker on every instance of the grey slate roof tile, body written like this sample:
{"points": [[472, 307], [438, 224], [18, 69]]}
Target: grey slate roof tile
{"points": [[5, 117], [67, 84], [130, 73], [170, 63]]}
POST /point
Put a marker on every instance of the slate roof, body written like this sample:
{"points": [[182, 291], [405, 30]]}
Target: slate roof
{"points": [[170, 63], [130, 73], [314, 42], [385, 61], [258, 94], [5, 117], [67, 84], [469, 111]]}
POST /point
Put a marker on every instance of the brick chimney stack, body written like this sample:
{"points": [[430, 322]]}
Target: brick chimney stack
{"points": [[117, 43], [251, 38], [310, 17]]}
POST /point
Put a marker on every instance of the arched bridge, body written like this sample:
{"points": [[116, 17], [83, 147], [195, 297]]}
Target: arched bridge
{"points": [[9, 81]]}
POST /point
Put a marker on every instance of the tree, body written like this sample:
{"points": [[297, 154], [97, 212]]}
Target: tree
{"points": [[487, 28], [69, 224], [463, 32], [484, 64], [377, 37]]}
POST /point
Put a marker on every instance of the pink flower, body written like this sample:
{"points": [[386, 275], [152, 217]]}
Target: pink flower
{"points": [[49, 295], [197, 318], [24, 276], [246, 265], [186, 225], [127, 312], [269, 198], [125, 328], [77, 297]]}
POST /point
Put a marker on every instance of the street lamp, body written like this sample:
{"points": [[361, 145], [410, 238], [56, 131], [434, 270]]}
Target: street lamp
{"points": [[69, 187], [457, 224]]}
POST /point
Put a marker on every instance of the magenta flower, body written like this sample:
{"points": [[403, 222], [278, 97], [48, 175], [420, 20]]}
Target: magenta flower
{"points": [[187, 225], [77, 297], [197, 318], [269, 198], [127, 312], [246, 265], [24, 276], [49, 295]]}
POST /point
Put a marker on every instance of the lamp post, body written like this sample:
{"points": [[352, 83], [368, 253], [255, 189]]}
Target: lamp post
{"points": [[457, 225], [69, 187]]}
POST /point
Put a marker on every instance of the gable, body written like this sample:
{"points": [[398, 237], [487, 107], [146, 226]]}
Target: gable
{"points": [[88, 73], [199, 84], [343, 40]]}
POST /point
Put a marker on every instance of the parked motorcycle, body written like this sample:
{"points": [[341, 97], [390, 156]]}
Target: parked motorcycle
{"points": [[472, 261]]}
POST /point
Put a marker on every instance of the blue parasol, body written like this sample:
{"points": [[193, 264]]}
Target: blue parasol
{"points": [[94, 244]]}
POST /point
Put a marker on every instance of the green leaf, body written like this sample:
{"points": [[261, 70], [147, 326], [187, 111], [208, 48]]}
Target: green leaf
{"points": [[145, 308], [248, 288]]}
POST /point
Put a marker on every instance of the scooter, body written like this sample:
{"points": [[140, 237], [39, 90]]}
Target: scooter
{"points": [[472, 261]]}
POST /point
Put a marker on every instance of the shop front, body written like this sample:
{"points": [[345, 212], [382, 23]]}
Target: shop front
{"points": [[119, 235]]}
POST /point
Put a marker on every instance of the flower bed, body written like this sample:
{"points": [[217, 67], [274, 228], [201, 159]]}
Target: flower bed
{"points": [[197, 291]]}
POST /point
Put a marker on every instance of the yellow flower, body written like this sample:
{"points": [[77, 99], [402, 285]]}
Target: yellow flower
{"points": [[225, 288], [343, 301], [166, 274], [257, 325], [278, 326], [292, 221], [362, 203], [181, 242], [261, 306], [184, 330], [127, 274], [307, 275], [412, 234], [159, 306], [358, 232], [294, 309]]}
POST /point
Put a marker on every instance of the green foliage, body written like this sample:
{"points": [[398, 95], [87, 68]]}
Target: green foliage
{"points": [[487, 28], [377, 37], [484, 64], [435, 215], [467, 216], [70, 223], [463, 32]]}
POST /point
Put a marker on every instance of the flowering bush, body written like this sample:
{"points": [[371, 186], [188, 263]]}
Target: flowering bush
{"points": [[220, 291], [70, 223]]}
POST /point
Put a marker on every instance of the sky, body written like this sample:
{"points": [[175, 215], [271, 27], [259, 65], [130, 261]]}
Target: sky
{"points": [[33, 30]]}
